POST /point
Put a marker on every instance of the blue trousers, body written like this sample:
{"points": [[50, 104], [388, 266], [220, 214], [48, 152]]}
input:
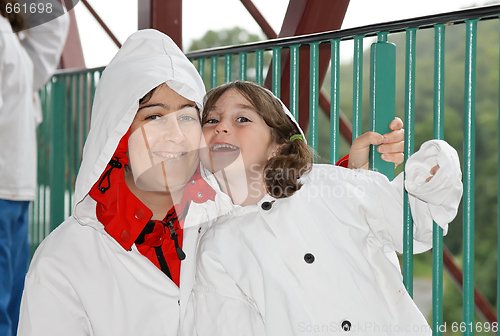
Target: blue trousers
{"points": [[14, 258]]}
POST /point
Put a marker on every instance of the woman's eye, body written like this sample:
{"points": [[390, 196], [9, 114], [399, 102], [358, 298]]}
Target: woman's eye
{"points": [[153, 117], [186, 118], [242, 119]]}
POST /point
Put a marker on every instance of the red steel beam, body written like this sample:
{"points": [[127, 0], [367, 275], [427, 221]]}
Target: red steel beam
{"points": [[482, 304], [260, 19], [307, 17], [165, 16], [72, 55], [102, 23]]}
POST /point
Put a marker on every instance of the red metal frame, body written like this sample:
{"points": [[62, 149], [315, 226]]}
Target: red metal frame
{"points": [[165, 16]]}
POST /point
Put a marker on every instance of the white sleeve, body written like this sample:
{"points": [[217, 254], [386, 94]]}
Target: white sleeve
{"points": [[433, 201], [44, 45], [219, 306], [2, 53], [50, 306]]}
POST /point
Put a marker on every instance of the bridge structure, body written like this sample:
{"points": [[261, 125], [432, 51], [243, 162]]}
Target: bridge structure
{"points": [[328, 95]]}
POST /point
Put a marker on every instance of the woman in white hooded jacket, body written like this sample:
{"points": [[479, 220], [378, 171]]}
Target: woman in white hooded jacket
{"points": [[113, 267], [311, 249]]}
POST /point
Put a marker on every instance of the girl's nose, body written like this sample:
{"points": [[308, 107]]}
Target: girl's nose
{"points": [[221, 128]]}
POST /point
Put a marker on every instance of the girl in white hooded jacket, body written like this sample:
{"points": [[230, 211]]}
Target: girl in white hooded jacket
{"points": [[311, 249]]}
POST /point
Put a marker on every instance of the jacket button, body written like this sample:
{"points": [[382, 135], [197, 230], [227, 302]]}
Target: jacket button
{"points": [[309, 258], [125, 235], [346, 325], [266, 205], [199, 230], [139, 214]]}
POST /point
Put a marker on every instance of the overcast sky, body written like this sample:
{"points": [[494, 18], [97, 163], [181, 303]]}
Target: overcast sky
{"points": [[200, 16]]}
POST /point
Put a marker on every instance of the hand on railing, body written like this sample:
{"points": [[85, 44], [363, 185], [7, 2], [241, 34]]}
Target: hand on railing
{"points": [[390, 145]]}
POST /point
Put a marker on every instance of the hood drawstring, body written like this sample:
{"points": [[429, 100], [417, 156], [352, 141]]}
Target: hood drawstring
{"points": [[113, 163], [153, 227]]}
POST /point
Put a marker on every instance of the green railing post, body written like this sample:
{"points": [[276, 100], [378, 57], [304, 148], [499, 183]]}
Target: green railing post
{"points": [[410, 64], [276, 78], [498, 199], [382, 96], [469, 174], [313, 94], [201, 67], [228, 62], [57, 159], [335, 100], [243, 66], [294, 80], [357, 89], [259, 66], [213, 77], [437, 234]]}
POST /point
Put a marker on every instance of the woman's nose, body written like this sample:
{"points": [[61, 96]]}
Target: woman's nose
{"points": [[173, 131]]}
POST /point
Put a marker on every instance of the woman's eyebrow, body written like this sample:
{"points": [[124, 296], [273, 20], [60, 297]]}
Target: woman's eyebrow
{"points": [[166, 106]]}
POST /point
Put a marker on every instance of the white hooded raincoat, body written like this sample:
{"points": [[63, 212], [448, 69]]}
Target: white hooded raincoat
{"points": [[323, 261], [81, 281]]}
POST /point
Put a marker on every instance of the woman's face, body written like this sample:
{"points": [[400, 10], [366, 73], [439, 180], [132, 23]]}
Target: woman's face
{"points": [[164, 141], [234, 127]]}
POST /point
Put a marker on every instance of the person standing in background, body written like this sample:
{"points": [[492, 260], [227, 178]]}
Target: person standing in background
{"points": [[27, 60]]}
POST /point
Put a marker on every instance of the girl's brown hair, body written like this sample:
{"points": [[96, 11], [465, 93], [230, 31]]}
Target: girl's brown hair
{"points": [[16, 20], [293, 159]]}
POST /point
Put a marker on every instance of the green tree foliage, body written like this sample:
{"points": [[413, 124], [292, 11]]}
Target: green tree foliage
{"points": [[228, 69]]}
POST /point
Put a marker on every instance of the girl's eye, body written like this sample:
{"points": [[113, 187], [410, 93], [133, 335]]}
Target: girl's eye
{"points": [[242, 119], [211, 121]]}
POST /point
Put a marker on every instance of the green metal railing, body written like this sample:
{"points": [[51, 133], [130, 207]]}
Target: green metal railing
{"points": [[67, 104], [66, 101]]}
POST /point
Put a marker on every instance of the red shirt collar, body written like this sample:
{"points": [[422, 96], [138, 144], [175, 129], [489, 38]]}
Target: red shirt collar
{"points": [[124, 216]]}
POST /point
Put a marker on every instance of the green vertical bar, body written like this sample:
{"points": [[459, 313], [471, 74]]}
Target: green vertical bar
{"points": [[294, 80], [334, 94], [437, 236], [213, 81], [382, 97], [259, 66], [86, 96], [382, 36], [276, 84], [313, 94], [201, 67], [498, 205], [70, 85], [357, 86], [411, 35], [243, 66], [57, 158], [228, 60], [468, 177]]}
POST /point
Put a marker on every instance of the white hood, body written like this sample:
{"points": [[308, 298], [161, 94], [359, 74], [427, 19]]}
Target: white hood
{"points": [[147, 59]]}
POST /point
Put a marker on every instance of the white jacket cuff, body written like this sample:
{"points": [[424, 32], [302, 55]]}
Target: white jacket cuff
{"points": [[444, 191]]}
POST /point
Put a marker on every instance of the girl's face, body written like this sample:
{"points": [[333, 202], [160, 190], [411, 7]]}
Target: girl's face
{"points": [[233, 127], [164, 141]]}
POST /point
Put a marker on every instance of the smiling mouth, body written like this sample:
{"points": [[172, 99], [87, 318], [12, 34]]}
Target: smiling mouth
{"points": [[169, 155], [223, 147]]}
